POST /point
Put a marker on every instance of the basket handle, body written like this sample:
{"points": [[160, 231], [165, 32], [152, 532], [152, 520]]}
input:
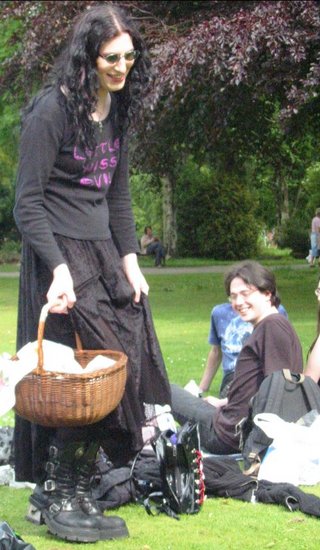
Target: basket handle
{"points": [[78, 342], [42, 321]]}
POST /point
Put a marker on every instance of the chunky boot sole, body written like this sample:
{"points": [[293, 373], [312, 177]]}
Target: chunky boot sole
{"points": [[38, 501], [37, 505], [83, 535], [34, 515]]}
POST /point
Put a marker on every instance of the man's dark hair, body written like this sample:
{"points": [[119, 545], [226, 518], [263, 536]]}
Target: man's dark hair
{"points": [[253, 274]]}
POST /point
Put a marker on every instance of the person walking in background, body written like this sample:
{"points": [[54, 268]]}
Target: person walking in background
{"points": [[228, 333], [152, 246], [79, 253], [315, 238], [273, 345]]}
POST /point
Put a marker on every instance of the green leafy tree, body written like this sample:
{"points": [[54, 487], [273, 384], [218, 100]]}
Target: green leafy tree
{"points": [[311, 185], [222, 72], [238, 88], [215, 214], [146, 202]]}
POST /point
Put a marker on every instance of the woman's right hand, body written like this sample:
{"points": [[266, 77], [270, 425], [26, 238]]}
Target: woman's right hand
{"points": [[61, 292]]}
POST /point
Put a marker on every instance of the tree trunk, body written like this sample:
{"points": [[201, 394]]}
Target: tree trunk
{"points": [[281, 192], [169, 216], [285, 202]]}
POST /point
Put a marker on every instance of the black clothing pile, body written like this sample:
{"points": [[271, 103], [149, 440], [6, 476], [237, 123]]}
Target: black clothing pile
{"points": [[9, 540], [223, 478]]}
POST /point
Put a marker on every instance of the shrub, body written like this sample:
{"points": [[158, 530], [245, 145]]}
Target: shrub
{"points": [[294, 235], [10, 251], [146, 203], [215, 214]]}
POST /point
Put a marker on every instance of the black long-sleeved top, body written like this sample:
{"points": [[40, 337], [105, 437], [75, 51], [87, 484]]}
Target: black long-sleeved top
{"points": [[61, 191]]}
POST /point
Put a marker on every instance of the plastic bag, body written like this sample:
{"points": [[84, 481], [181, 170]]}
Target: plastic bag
{"points": [[6, 445], [294, 455]]}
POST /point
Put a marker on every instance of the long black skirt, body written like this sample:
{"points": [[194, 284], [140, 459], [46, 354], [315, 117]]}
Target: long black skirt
{"points": [[105, 317]]}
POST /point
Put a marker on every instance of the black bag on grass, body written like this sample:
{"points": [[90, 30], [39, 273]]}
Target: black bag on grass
{"points": [[167, 479], [284, 393], [181, 472]]}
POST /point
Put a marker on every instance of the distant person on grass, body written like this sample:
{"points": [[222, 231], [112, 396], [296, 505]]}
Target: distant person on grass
{"points": [[152, 246], [273, 345], [315, 238]]}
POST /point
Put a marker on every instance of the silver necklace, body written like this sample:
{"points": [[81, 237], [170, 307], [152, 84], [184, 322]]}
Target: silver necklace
{"points": [[103, 113]]}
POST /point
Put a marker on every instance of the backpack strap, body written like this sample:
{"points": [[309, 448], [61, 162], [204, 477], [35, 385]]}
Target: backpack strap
{"points": [[255, 463], [156, 503], [292, 377]]}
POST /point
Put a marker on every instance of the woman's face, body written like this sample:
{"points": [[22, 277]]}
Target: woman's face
{"points": [[112, 75]]}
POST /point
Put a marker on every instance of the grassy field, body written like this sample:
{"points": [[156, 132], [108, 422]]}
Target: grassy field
{"points": [[181, 306]]}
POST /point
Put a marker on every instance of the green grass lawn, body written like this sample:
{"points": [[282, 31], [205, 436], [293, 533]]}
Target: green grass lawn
{"points": [[181, 306]]}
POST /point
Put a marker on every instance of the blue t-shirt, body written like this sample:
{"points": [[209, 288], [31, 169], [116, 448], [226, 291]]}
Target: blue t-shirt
{"points": [[229, 331]]}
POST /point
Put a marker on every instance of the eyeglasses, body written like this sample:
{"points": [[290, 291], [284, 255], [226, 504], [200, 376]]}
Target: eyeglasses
{"points": [[244, 294], [114, 58]]}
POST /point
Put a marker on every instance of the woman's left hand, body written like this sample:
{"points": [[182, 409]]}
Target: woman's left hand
{"points": [[135, 276]]}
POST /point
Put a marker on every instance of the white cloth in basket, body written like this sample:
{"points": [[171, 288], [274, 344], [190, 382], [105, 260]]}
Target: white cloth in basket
{"points": [[56, 358]]}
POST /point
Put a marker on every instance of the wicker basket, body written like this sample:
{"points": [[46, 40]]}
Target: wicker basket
{"points": [[57, 399]]}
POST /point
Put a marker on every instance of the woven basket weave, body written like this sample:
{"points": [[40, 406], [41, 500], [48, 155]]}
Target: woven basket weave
{"points": [[56, 399]]}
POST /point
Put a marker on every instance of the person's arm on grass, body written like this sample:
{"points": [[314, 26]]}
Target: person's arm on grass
{"points": [[313, 363], [213, 362]]}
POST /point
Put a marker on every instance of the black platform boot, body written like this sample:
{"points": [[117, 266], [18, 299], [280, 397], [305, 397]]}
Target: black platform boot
{"points": [[86, 468], [59, 505]]}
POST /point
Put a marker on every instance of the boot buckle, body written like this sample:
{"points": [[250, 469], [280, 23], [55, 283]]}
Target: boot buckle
{"points": [[55, 507], [53, 451], [49, 485], [50, 467]]}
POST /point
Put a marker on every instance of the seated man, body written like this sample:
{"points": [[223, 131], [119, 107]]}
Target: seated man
{"points": [[273, 345], [152, 246], [228, 332]]}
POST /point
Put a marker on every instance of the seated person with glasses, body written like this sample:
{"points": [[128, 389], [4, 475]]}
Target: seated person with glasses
{"points": [[273, 345], [313, 360], [228, 333]]}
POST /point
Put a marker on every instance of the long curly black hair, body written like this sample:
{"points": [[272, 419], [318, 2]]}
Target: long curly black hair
{"points": [[75, 71]]}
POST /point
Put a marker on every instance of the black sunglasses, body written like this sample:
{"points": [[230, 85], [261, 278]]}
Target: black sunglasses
{"points": [[114, 58]]}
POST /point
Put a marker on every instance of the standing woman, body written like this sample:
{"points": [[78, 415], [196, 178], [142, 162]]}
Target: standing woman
{"points": [[74, 213]]}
